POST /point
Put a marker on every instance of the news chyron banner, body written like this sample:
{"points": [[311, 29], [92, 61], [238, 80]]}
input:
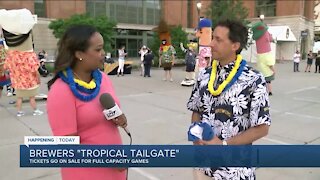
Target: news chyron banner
{"points": [[65, 151]]}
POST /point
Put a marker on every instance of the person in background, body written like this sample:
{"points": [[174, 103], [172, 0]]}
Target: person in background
{"points": [[4, 74], [3, 78], [73, 104], [148, 61], [21, 60], [237, 110], [296, 61], [190, 59], [309, 61], [42, 69], [317, 63], [42, 55], [142, 52], [122, 54], [166, 60]]}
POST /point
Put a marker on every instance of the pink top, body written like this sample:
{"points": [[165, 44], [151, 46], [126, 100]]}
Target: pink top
{"points": [[263, 43], [69, 115]]}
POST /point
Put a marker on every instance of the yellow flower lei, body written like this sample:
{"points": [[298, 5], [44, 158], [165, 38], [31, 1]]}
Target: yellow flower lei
{"points": [[223, 85], [90, 85]]}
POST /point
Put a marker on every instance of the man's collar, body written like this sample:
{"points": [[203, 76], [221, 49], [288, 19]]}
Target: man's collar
{"points": [[228, 67]]}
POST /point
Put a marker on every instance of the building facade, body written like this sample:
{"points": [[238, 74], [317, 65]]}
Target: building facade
{"points": [[297, 14], [317, 20], [136, 18]]}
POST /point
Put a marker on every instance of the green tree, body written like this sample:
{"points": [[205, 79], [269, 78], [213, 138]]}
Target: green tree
{"points": [[101, 23], [178, 35], [227, 9], [155, 45]]}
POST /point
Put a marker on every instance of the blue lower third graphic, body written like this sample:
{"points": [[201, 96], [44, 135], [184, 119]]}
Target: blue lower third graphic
{"points": [[169, 156]]}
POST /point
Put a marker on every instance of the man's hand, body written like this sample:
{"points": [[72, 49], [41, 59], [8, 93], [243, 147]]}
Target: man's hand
{"points": [[214, 141], [121, 121], [181, 46]]}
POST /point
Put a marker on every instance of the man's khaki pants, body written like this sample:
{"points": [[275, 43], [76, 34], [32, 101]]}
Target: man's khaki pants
{"points": [[198, 175]]}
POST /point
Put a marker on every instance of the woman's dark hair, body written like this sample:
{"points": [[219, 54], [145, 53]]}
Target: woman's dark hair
{"points": [[76, 38], [237, 32]]}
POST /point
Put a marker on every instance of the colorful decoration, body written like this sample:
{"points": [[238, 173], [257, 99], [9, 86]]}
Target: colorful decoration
{"points": [[90, 85], [204, 33], [263, 43], [166, 49], [21, 61], [67, 77], [230, 80]]}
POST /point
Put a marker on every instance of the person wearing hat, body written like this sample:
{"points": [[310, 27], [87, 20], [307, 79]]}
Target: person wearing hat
{"points": [[204, 33], [190, 59], [21, 60], [265, 59]]}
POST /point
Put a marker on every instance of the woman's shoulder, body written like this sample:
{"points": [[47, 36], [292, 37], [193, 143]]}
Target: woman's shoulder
{"points": [[58, 89], [104, 76], [59, 84]]}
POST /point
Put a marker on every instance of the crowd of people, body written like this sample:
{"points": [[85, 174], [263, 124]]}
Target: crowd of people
{"points": [[311, 57]]}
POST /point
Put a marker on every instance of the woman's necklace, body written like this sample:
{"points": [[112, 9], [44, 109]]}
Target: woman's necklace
{"points": [[78, 80], [76, 85]]}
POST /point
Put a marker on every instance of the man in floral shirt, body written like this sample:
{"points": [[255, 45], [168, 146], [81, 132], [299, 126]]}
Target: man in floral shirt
{"points": [[237, 109]]}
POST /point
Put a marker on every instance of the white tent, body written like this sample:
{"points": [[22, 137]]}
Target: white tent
{"points": [[282, 33]]}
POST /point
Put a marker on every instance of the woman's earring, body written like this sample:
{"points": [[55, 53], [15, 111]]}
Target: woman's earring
{"points": [[80, 59]]}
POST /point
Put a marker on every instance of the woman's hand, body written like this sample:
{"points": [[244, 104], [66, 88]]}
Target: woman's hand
{"points": [[120, 121]]}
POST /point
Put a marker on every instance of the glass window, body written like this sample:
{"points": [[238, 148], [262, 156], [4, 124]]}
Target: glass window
{"points": [[126, 11], [132, 32], [140, 15], [132, 47], [112, 12], [121, 13], [122, 32], [132, 15], [90, 8], [266, 7], [40, 8], [100, 8], [157, 15], [150, 16]]}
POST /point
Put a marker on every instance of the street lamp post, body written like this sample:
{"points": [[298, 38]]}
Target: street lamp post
{"points": [[199, 4], [198, 8]]}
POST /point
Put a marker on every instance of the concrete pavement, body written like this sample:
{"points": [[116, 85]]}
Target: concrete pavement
{"points": [[157, 114]]}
